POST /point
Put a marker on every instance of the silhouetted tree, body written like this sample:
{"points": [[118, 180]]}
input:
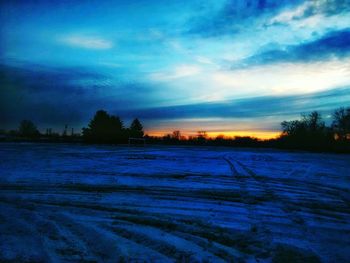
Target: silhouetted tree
{"points": [[313, 122], [293, 128], [136, 129], [104, 128], [28, 129], [176, 135], [341, 123], [116, 123], [309, 132], [64, 133], [220, 137], [202, 136], [245, 141]]}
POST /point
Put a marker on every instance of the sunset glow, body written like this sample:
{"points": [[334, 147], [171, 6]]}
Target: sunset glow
{"points": [[227, 134]]}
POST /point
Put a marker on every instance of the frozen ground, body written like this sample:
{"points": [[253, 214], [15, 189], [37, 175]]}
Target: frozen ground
{"points": [[73, 203]]}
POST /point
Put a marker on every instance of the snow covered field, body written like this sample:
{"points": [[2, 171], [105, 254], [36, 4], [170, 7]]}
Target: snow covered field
{"points": [[78, 203]]}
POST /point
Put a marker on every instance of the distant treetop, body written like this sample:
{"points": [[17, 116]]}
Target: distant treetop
{"points": [[105, 128]]}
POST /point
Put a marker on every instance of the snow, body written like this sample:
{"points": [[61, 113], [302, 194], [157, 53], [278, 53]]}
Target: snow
{"points": [[70, 202]]}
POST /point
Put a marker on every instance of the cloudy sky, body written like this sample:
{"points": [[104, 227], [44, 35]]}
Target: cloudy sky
{"points": [[229, 67]]}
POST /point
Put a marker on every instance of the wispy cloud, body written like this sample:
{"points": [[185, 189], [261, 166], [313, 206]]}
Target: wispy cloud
{"points": [[335, 44], [291, 14], [204, 60], [285, 78], [178, 72], [316, 8], [233, 16], [87, 42], [255, 107]]}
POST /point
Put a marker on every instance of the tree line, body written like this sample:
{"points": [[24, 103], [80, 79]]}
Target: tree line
{"points": [[105, 128], [309, 132], [102, 128]]}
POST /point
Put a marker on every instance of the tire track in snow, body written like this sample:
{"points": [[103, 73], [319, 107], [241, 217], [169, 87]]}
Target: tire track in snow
{"points": [[290, 209], [104, 245], [288, 206], [169, 250], [202, 236], [191, 229], [244, 178], [232, 166], [81, 246]]}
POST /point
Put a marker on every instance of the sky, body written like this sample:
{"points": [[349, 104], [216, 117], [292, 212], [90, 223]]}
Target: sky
{"points": [[229, 67]]}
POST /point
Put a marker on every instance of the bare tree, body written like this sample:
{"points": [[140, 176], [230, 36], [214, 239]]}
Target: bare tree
{"points": [[341, 123], [176, 135], [28, 129]]}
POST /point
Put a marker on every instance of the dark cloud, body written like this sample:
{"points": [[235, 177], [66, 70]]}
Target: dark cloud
{"points": [[40, 94], [58, 96], [234, 16], [333, 44]]}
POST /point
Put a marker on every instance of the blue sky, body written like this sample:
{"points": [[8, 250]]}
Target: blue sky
{"points": [[233, 67]]}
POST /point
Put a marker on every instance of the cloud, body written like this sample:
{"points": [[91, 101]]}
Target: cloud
{"points": [[255, 107], [212, 84], [232, 17], [335, 44], [178, 72], [204, 60], [87, 42], [62, 95], [313, 18], [283, 78], [264, 113], [292, 14], [311, 9]]}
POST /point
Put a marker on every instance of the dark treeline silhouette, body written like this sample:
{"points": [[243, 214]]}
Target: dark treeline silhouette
{"points": [[307, 133], [28, 129], [105, 128], [221, 140], [311, 133]]}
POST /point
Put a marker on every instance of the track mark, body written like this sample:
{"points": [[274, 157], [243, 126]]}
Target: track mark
{"points": [[232, 166]]}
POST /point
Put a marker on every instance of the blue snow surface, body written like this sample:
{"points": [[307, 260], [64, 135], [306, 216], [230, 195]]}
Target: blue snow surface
{"points": [[84, 203]]}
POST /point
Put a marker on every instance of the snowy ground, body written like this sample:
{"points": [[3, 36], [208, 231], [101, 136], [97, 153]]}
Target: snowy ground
{"points": [[73, 203]]}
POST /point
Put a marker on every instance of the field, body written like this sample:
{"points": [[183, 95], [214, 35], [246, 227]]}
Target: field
{"points": [[78, 203]]}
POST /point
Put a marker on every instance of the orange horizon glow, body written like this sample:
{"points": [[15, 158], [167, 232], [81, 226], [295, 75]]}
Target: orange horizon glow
{"points": [[263, 135]]}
